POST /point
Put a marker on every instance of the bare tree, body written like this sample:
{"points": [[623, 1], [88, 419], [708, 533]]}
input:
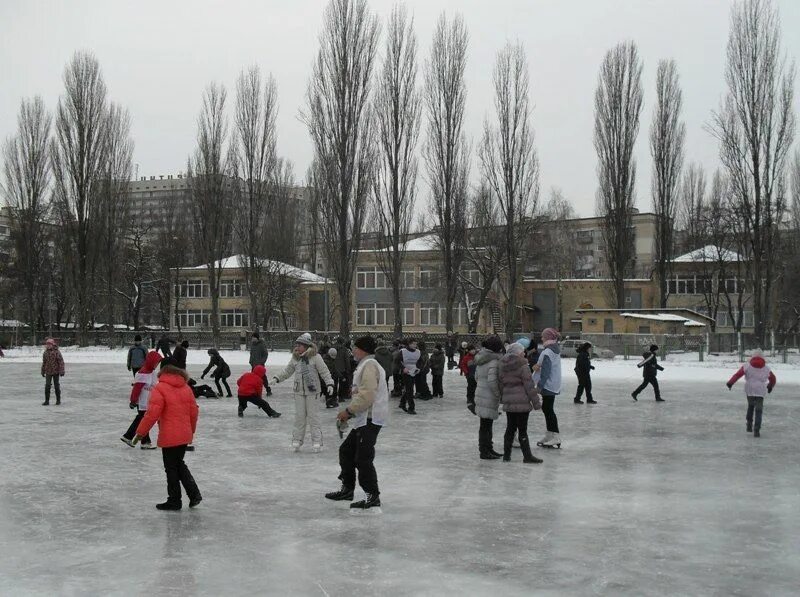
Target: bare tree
{"points": [[26, 174], [692, 205], [667, 134], [212, 189], [255, 140], [618, 103], [445, 149], [170, 263], [140, 273], [755, 127], [78, 161], [397, 114], [789, 300], [556, 233], [511, 168], [339, 119]]}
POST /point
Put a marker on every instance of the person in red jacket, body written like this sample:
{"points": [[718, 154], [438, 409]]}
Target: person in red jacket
{"points": [[758, 382], [173, 407], [467, 367], [145, 380], [251, 385]]}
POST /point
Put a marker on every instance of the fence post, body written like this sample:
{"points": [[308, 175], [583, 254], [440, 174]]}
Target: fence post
{"points": [[702, 346], [626, 351], [740, 346], [785, 354]]}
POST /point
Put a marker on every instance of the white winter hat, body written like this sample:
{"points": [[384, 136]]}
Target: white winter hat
{"points": [[515, 348], [304, 339], [332, 353]]}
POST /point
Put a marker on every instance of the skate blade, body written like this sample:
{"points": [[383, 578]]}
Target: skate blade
{"points": [[366, 512], [554, 447]]}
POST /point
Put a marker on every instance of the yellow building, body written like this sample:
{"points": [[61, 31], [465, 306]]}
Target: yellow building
{"points": [[675, 322]]}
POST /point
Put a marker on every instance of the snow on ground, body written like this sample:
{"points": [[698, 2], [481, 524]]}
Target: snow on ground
{"points": [[650, 498]]}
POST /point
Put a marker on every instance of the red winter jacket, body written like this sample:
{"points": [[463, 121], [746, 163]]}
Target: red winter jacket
{"points": [[151, 361], [464, 362], [252, 383], [173, 407]]}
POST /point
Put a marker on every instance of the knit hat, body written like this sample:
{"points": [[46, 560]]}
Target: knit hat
{"points": [[515, 348], [304, 339], [550, 334], [653, 348], [493, 343], [178, 358], [50, 342], [332, 353], [185, 343], [366, 343], [137, 338]]}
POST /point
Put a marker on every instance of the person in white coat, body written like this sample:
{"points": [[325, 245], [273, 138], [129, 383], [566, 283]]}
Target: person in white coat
{"points": [[308, 368]]}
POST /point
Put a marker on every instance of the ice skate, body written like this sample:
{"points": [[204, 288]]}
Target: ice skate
{"points": [[578, 401], [194, 502], [296, 445], [371, 505], [633, 395], [547, 437], [316, 448], [169, 506], [345, 493], [553, 442], [148, 447], [757, 433], [592, 401]]}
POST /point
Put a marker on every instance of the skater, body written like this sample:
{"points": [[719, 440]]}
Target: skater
{"points": [[367, 413], [331, 398], [250, 387], [174, 408], [450, 350], [650, 368], [547, 375], [467, 366], [409, 358], [258, 356], [164, 344], [519, 397], [383, 354], [136, 355], [221, 371], [583, 369], [759, 380], [52, 370], [144, 382], [462, 352], [533, 354], [437, 361], [343, 368], [397, 369], [424, 367], [307, 367], [203, 390], [487, 394]]}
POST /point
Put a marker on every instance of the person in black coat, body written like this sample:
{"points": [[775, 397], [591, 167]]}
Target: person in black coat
{"points": [[450, 351], [221, 372], [650, 369], [164, 344], [583, 369], [437, 362], [421, 380]]}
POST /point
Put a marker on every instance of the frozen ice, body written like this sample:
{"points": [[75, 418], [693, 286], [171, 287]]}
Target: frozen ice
{"points": [[643, 498]]}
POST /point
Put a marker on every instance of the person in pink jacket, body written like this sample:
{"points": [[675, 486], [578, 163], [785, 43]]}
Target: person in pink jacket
{"points": [[758, 382], [52, 370]]}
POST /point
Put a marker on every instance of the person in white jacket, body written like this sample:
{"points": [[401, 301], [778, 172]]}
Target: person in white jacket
{"points": [[307, 367]]}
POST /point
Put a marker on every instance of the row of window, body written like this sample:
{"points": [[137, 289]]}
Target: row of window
{"points": [[373, 277], [724, 319], [702, 285], [428, 314], [199, 289], [228, 318]]}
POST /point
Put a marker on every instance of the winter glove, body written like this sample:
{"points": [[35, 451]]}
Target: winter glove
{"points": [[330, 390], [730, 385], [591, 367], [136, 439], [769, 389], [132, 405], [61, 375]]}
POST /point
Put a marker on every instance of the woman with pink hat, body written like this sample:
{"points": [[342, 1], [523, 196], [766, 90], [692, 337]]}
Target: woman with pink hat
{"points": [[52, 370], [547, 375]]}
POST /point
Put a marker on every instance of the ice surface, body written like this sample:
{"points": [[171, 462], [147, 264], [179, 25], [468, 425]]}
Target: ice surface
{"points": [[643, 498]]}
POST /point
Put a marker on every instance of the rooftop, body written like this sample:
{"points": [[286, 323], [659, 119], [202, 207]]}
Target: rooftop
{"points": [[709, 253], [235, 262]]}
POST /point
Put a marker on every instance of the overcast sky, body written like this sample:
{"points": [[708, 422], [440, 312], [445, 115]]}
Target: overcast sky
{"points": [[158, 56]]}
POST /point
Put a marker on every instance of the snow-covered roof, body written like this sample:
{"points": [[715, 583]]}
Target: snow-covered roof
{"points": [[11, 323], [235, 261], [709, 253], [422, 243], [665, 317]]}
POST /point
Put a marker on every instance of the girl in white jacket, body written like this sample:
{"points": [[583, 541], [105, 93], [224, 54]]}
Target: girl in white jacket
{"points": [[308, 368]]}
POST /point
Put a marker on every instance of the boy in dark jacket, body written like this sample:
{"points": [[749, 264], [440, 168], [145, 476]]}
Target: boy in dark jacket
{"points": [[331, 400], [650, 369], [583, 369], [344, 368], [421, 380], [250, 387], [383, 354], [437, 361], [221, 372], [136, 355]]}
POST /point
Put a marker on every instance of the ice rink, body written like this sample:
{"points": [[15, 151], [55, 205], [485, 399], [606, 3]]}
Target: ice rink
{"points": [[643, 498]]}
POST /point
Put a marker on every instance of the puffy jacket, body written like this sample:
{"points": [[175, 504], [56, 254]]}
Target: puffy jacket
{"points": [[583, 364], [344, 359], [385, 358], [252, 382], [487, 392], [437, 361], [173, 407], [258, 353], [758, 378], [649, 365], [52, 361], [465, 362], [423, 364], [215, 360], [518, 392], [316, 370], [136, 356], [146, 379]]}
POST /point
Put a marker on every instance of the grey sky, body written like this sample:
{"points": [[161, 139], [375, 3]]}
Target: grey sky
{"points": [[158, 56]]}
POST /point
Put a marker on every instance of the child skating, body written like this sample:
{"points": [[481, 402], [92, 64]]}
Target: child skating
{"points": [[650, 368], [758, 382], [583, 369], [547, 375], [143, 383], [221, 371], [250, 389], [52, 370]]}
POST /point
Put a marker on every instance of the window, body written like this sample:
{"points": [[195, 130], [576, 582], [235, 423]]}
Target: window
{"points": [[644, 329], [234, 318], [384, 314], [408, 314], [365, 314], [429, 314], [460, 314], [192, 318], [193, 289], [231, 288], [687, 284], [370, 277], [473, 276], [276, 321], [428, 277], [407, 279]]}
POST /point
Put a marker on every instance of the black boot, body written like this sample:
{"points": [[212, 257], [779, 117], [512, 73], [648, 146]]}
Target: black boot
{"points": [[345, 493], [527, 456], [749, 427], [756, 432], [169, 506], [488, 454], [373, 501], [495, 454], [578, 400], [273, 414], [507, 449], [195, 501]]}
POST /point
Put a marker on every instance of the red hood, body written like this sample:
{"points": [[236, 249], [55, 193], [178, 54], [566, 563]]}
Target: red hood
{"points": [[173, 379], [151, 361], [758, 362], [260, 370]]}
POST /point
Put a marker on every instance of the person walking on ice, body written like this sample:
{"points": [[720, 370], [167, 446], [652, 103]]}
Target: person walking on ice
{"points": [[547, 375], [221, 371], [519, 398], [367, 413], [136, 355], [583, 369], [759, 380], [650, 368], [307, 367], [250, 387], [52, 370], [144, 382]]}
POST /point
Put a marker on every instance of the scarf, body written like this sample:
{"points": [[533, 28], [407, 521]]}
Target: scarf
{"points": [[305, 373]]}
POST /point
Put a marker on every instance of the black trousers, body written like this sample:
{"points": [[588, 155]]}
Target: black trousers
{"points": [[485, 442], [357, 453], [421, 382], [178, 474], [438, 390], [584, 383], [397, 379], [135, 370], [515, 423], [224, 380], [343, 390], [55, 380], [755, 405], [472, 384], [131, 432], [409, 383], [550, 418], [652, 381], [257, 401]]}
